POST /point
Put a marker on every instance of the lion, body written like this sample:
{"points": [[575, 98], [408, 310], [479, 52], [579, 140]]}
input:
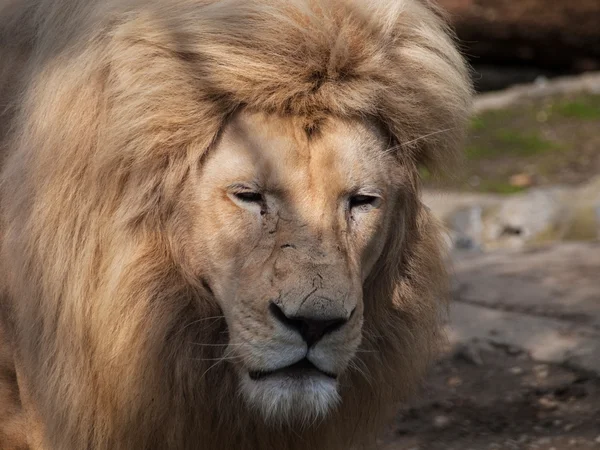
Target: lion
{"points": [[212, 232]]}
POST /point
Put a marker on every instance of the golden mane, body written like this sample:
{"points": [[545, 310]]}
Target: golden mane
{"points": [[104, 101]]}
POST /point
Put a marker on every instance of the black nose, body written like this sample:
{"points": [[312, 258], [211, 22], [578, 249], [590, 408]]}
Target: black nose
{"points": [[311, 329]]}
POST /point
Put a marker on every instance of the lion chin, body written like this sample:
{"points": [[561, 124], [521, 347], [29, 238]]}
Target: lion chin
{"points": [[292, 398], [211, 232]]}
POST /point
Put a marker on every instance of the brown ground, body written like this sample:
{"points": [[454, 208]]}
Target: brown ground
{"points": [[505, 401]]}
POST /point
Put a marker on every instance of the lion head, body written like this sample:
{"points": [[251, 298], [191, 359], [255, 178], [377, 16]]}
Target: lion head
{"points": [[299, 214], [211, 217]]}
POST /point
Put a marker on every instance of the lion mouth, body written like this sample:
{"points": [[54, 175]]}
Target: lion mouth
{"points": [[301, 369]]}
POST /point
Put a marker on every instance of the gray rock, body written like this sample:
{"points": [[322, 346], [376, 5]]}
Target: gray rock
{"points": [[467, 222], [544, 302], [533, 216], [480, 222]]}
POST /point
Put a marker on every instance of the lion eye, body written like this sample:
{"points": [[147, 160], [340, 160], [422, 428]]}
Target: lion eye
{"points": [[249, 197], [361, 201]]}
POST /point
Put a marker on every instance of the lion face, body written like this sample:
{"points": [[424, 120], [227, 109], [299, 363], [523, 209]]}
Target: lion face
{"points": [[291, 220]]}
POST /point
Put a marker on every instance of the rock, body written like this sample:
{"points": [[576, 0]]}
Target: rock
{"points": [[560, 86], [468, 225], [454, 382], [543, 302], [548, 403], [469, 352], [584, 220], [441, 421], [479, 222], [541, 371], [535, 216], [516, 370]]}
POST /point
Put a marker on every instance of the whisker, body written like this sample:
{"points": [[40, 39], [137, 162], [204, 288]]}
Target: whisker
{"points": [[208, 318], [214, 365], [425, 136], [214, 318], [363, 372], [216, 345], [226, 357], [223, 358]]}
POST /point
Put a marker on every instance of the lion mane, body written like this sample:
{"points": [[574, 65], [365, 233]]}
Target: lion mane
{"points": [[101, 103]]}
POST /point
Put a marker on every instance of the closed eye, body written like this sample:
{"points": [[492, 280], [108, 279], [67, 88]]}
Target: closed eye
{"points": [[363, 202], [249, 197]]}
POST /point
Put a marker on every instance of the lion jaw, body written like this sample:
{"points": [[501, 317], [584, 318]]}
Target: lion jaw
{"points": [[288, 381]]}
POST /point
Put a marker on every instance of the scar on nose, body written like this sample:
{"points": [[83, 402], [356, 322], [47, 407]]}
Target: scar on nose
{"points": [[288, 246]]}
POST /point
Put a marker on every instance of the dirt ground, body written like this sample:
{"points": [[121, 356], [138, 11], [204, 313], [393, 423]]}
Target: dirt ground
{"points": [[500, 399]]}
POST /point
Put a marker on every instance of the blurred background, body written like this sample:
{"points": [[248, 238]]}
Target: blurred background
{"points": [[522, 365], [511, 41]]}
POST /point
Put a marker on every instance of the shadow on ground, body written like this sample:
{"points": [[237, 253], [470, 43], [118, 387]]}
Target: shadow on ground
{"points": [[504, 400]]}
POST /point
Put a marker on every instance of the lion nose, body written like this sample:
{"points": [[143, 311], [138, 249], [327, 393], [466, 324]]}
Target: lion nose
{"points": [[311, 329]]}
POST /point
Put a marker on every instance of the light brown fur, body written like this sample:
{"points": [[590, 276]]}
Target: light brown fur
{"points": [[106, 109]]}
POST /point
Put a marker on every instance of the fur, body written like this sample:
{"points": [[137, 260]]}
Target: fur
{"points": [[102, 105]]}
